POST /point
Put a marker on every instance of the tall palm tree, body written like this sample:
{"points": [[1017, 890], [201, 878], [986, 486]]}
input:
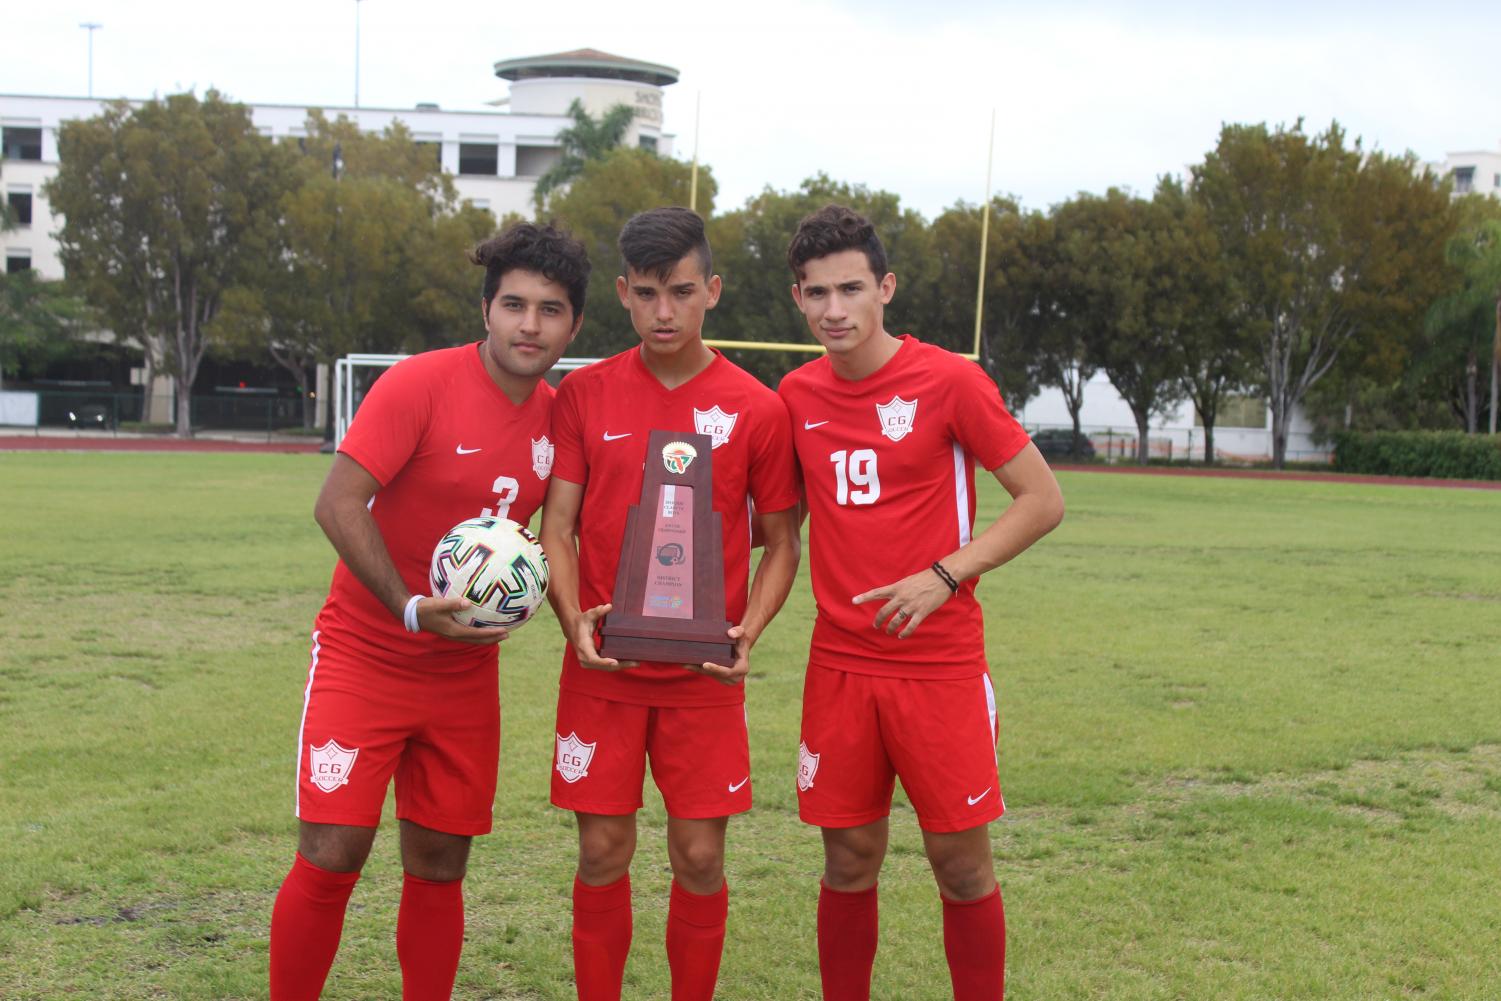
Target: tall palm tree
{"points": [[586, 139]]}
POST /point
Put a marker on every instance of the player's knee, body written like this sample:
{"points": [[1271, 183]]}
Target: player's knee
{"points": [[961, 877], [852, 866], [605, 852], [437, 864], [335, 848], [698, 864]]}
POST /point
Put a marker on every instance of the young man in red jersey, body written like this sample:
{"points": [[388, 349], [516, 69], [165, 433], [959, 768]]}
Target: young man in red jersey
{"points": [[397, 687], [689, 720], [888, 430]]}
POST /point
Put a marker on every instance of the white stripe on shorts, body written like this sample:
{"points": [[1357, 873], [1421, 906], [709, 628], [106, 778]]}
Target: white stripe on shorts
{"points": [[990, 707], [306, 696]]}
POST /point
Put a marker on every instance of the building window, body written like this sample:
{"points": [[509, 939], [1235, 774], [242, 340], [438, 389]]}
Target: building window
{"points": [[480, 203], [478, 159], [1464, 180], [1498, 180], [22, 143], [648, 143], [17, 260], [19, 203], [534, 161]]}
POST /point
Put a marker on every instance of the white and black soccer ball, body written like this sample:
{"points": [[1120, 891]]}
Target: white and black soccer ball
{"points": [[495, 563]]}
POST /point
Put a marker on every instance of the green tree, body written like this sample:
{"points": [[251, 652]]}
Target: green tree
{"points": [[1332, 249], [367, 255], [165, 205], [37, 319], [594, 208], [1123, 291], [586, 140], [1465, 325], [1015, 282], [1208, 340]]}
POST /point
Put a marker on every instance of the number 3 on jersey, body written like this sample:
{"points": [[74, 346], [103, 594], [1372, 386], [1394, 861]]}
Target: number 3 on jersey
{"points": [[856, 469], [506, 490]]}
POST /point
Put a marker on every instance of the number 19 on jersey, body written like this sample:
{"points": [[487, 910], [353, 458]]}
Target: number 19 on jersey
{"points": [[856, 479]]}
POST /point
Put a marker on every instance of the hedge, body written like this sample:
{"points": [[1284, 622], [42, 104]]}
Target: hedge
{"points": [[1449, 454]]}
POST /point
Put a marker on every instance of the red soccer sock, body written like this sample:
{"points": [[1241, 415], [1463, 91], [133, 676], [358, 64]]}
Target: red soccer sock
{"points": [[306, 923], [695, 941], [848, 927], [429, 937], [601, 937], [974, 939]]}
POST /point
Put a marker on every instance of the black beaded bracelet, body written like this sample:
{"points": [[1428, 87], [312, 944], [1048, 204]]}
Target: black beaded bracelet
{"points": [[946, 577]]}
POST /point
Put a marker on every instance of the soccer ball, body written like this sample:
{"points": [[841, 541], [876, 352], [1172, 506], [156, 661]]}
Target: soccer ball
{"points": [[495, 563]]}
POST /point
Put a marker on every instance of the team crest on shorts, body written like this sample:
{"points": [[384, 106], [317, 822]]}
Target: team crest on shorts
{"points": [[573, 757], [715, 423], [807, 767], [542, 451], [896, 416], [329, 766]]}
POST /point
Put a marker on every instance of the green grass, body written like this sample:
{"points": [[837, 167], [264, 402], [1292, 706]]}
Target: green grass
{"points": [[1251, 746]]}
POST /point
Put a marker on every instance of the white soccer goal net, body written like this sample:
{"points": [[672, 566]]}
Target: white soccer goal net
{"points": [[354, 374]]}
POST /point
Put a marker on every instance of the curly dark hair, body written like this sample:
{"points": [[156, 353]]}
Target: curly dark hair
{"points": [[828, 231], [652, 242], [548, 250]]}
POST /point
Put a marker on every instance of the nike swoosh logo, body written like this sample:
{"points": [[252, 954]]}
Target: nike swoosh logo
{"points": [[613, 437], [461, 450], [810, 425], [735, 787], [975, 799]]}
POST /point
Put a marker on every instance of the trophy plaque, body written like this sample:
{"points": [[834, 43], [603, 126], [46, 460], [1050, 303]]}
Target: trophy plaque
{"points": [[669, 586]]}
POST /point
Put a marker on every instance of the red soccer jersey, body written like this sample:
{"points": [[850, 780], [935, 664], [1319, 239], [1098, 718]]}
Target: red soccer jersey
{"points": [[446, 445], [603, 416], [888, 466]]}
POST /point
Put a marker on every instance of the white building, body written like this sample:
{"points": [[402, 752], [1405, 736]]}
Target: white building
{"points": [[495, 155], [1473, 173]]}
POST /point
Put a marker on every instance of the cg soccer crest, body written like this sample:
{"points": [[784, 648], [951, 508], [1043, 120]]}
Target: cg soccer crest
{"points": [[715, 423], [329, 766], [573, 757], [896, 416], [542, 451]]}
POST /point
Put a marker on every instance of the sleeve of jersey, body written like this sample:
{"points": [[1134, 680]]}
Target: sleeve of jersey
{"points": [[773, 472], [390, 422], [980, 421], [568, 435]]}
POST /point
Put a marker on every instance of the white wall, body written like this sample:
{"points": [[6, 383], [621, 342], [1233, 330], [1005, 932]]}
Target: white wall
{"points": [[1105, 415]]}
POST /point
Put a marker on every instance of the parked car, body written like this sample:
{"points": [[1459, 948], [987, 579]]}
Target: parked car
{"points": [[93, 416], [1058, 443]]}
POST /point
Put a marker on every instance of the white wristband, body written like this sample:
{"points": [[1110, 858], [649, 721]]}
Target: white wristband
{"points": [[409, 614]]}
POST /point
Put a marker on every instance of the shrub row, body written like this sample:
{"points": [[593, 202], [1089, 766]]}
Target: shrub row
{"points": [[1449, 454]]}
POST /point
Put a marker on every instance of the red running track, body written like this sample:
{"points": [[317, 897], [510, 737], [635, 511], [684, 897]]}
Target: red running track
{"points": [[1275, 474]]}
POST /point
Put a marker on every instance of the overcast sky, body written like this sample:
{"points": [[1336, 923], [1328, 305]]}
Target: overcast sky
{"points": [[895, 95]]}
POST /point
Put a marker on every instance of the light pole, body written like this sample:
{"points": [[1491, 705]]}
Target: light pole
{"points": [[356, 53], [91, 26]]}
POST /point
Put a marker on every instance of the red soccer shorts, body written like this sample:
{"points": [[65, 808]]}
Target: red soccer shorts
{"points": [[364, 721], [700, 757], [861, 732]]}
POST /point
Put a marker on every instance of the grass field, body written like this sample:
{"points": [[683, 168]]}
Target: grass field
{"points": [[1251, 746]]}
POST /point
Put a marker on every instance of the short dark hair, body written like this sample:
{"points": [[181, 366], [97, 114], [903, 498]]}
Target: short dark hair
{"points": [[548, 250], [652, 242], [828, 231]]}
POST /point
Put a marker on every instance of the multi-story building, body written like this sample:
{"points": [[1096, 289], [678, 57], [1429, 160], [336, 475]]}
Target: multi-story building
{"points": [[496, 155], [1475, 172]]}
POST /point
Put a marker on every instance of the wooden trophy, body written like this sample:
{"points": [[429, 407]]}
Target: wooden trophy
{"points": [[669, 586]]}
